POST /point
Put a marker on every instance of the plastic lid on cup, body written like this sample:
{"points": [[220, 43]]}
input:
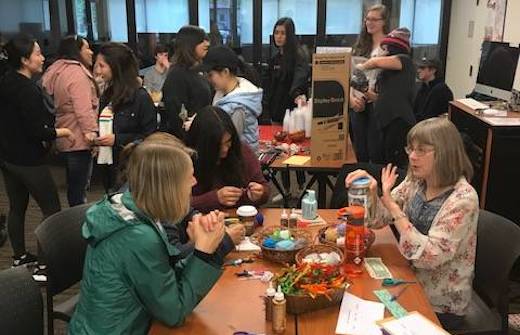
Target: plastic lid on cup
{"points": [[361, 182], [247, 211]]}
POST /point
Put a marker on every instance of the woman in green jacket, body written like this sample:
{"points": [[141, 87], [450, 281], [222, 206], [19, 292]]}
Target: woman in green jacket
{"points": [[127, 279]]}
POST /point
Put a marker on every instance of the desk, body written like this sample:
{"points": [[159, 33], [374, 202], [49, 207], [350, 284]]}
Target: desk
{"points": [[496, 153], [320, 171], [235, 305]]}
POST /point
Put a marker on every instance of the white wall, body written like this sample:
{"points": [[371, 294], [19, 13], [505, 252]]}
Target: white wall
{"points": [[464, 49], [512, 29]]}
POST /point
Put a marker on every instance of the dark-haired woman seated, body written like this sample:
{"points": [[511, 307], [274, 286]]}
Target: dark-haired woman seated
{"points": [[228, 172]]}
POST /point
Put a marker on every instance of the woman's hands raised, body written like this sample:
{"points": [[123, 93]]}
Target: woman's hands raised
{"points": [[207, 231]]}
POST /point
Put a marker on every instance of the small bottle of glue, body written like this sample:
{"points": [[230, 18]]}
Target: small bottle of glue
{"points": [[293, 219], [268, 299], [279, 312], [284, 219]]}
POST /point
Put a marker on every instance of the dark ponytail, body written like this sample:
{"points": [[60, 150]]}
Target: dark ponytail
{"points": [[248, 72]]}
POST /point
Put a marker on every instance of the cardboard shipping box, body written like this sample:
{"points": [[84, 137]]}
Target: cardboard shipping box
{"points": [[330, 92]]}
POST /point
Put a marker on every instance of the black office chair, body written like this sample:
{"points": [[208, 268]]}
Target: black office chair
{"points": [[62, 248], [21, 303], [339, 195], [498, 248]]}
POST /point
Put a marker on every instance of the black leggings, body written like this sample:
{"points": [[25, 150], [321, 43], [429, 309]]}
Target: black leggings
{"points": [[20, 182], [394, 141]]}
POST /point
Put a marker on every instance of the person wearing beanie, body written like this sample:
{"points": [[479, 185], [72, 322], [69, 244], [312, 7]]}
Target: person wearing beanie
{"points": [[395, 89], [237, 91], [434, 95], [185, 85]]}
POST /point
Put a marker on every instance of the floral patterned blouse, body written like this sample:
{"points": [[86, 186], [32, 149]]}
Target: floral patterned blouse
{"points": [[444, 259]]}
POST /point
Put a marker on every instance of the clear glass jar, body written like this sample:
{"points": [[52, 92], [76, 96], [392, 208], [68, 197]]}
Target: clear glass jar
{"points": [[358, 195]]}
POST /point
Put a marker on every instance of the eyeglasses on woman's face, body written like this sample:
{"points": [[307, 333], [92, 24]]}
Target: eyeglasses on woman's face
{"points": [[419, 150]]}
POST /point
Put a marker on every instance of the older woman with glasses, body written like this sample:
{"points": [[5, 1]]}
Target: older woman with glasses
{"points": [[435, 210]]}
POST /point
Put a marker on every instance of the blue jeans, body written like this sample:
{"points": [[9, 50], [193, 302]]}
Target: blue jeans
{"points": [[79, 171]]}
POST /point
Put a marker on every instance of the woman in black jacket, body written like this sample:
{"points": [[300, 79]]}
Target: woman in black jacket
{"points": [[127, 112], [288, 72], [185, 85], [26, 130]]}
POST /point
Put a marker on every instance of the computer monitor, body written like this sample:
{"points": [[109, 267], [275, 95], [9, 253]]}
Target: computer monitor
{"points": [[496, 73]]}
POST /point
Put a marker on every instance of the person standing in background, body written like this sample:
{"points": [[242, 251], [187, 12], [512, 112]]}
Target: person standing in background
{"points": [[126, 110], [288, 77], [155, 75], [395, 89], [364, 132], [75, 93], [288, 72], [184, 84], [433, 96], [26, 130]]}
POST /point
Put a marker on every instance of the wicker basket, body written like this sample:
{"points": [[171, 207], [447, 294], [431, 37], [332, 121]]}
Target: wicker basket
{"points": [[318, 249], [276, 255], [298, 304], [370, 237]]}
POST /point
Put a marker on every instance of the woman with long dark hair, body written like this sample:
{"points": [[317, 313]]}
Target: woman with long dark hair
{"points": [[127, 112], [69, 80], [288, 71], [288, 76], [26, 130], [228, 172], [365, 134], [185, 85]]}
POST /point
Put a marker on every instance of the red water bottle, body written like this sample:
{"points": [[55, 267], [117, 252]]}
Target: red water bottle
{"points": [[354, 241]]}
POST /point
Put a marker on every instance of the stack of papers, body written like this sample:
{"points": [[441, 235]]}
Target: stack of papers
{"points": [[358, 316], [297, 160], [473, 104]]}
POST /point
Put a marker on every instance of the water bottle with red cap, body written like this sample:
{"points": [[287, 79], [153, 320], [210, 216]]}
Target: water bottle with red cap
{"points": [[354, 240]]}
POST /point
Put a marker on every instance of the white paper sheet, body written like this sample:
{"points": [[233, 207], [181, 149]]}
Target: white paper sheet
{"points": [[472, 103], [494, 112], [413, 324], [247, 245], [358, 316], [502, 121]]}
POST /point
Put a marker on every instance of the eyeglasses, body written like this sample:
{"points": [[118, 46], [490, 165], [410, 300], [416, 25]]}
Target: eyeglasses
{"points": [[372, 19], [419, 151]]}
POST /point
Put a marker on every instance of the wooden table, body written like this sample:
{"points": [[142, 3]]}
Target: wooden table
{"points": [[320, 171], [234, 305]]}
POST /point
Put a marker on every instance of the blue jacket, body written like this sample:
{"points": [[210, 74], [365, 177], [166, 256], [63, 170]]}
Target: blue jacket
{"points": [[244, 105]]}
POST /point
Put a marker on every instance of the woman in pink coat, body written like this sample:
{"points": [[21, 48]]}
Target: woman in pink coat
{"points": [[69, 80]]}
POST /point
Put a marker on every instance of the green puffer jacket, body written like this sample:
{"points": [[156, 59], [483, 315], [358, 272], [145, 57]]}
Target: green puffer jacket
{"points": [[127, 279]]}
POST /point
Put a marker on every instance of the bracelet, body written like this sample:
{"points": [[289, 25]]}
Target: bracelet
{"points": [[402, 215]]}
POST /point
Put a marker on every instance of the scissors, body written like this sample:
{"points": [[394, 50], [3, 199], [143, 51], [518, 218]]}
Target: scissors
{"points": [[395, 282]]}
